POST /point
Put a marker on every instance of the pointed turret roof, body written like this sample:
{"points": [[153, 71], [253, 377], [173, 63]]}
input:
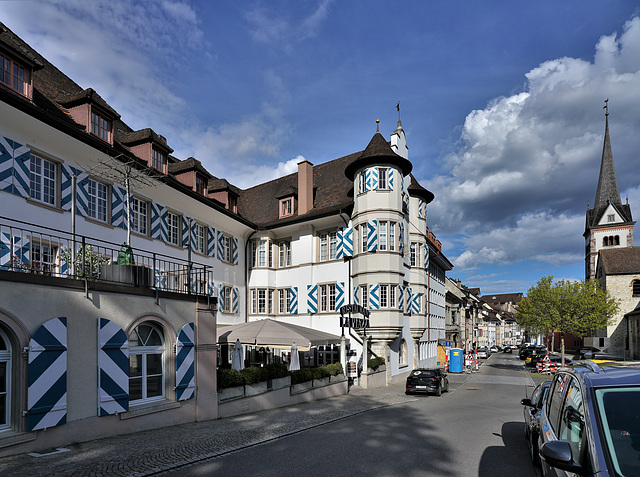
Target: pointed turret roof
{"points": [[378, 152], [607, 191]]}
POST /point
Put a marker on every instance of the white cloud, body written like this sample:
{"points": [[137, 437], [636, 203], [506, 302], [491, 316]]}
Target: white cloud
{"points": [[527, 164]]}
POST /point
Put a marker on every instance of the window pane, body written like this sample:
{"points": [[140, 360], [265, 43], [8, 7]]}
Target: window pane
{"points": [[154, 364], [154, 386], [333, 245], [135, 365], [154, 338], [135, 389], [3, 378]]}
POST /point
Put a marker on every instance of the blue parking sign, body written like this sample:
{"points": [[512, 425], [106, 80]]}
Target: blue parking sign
{"points": [[447, 344]]}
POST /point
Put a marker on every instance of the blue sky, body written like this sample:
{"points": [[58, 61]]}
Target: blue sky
{"points": [[501, 101]]}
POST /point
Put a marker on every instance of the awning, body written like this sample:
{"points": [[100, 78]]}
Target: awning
{"points": [[275, 334]]}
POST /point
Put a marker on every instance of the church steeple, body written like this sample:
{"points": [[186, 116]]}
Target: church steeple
{"points": [[607, 190]]}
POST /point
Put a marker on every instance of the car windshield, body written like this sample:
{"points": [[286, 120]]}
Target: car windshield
{"points": [[621, 427], [423, 372]]}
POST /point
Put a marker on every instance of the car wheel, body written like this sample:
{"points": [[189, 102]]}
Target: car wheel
{"points": [[439, 391], [533, 448], [446, 388]]}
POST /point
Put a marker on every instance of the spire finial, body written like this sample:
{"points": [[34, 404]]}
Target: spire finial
{"points": [[606, 107], [377, 125]]}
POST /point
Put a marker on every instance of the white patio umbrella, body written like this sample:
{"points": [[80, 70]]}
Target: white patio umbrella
{"points": [[295, 359], [237, 356]]}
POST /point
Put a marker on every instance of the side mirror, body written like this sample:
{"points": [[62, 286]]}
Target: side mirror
{"points": [[526, 402], [558, 454]]}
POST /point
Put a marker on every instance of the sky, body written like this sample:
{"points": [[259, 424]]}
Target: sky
{"points": [[501, 102]]}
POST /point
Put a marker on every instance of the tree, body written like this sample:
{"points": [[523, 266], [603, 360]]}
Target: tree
{"points": [[576, 307]]}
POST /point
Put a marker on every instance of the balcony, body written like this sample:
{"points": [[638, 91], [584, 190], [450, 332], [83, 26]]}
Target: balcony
{"points": [[40, 251]]}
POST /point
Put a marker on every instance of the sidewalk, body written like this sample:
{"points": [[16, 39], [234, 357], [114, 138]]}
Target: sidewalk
{"points": [[150, 452]]}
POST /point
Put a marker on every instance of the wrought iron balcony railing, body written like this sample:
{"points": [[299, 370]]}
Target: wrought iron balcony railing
{"points": [[27, 248]]}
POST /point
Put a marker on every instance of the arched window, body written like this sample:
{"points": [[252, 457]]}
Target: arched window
{"points": [[5, 382], [617, 240], [605, 242], [146, 364], [636, 287]]}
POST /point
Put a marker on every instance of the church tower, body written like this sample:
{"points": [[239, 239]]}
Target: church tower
{"points": [[609, 223]]}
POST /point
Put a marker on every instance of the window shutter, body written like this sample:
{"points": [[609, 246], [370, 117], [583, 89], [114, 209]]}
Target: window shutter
{"points": [[367, 179], [186, 228], [211, 242], [113, 360], [374, 178], [390, 178], [409, 298], [15, 172], [185, 363], [401, 238], [220, 245], [221, 299], [415, 304], [158, 222], [66, 173], [82, 193], [192, 235], [400, 297], [372, 235], [356, 297], [426, 257], [293, 304], [118, 206], [347, 242], [312, 298], [374, 297], [210, 287], [13, 246], [160, 279], [235, 302], [339, 295], [235, 251], [421, 209], [47, 391], [340, 244]]}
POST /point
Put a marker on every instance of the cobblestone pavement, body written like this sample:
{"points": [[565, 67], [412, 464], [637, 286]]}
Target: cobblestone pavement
{"points": [[151, 452]]}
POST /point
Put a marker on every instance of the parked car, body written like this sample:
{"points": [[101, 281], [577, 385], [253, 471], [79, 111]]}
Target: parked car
{"points": [[526, 352], [507, 349], [483, 353], [427, 380], [590, 422], [532, 408], [494, 349]]}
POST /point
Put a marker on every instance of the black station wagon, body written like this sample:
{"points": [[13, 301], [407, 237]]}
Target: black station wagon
{"points": [[432, 380]]}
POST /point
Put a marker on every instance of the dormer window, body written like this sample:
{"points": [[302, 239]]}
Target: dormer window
{"points": [[14, 75], [201, 185], [100, 126], [159, 160], [286, 207]]}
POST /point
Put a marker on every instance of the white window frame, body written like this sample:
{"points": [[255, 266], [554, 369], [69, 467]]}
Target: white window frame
{"points": [[363, 237], [361, 183], [262, 301], [97, 199], [286, 207], [384, 296], [328, 246], [327, 297], [146, 351], [284, 254], [226, 303], [383, 178], [139, 217], [174, 228], [382, 235], [227, 248], [44, 252], [364, 296], [201, 239], [43, 186]]}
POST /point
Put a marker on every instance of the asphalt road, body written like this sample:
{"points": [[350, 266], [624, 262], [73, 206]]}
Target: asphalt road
{"points": [[474, 430]]}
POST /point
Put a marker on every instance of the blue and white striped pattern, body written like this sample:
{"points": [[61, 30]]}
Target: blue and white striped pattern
{"points": [[47, 392], [11, 247], [339, 295], [390, 179], [192, 235], [340, 244], [186, 228], [293, 303], [211, 242], [158, 221], [371, 178], [422, 208], [312, 298], [356, 296], [372, 235], [415, 304], [408, 298], [401, 297], [66, 186], [160, 281], [235, 251], [185, 363], [221, 299], [374, 296], [345, 242], [119, 211], [220, 245], [14, 167], [401, 238], [235, 300], [210, 287], [82, 193], [426, 256], [113, 361]]}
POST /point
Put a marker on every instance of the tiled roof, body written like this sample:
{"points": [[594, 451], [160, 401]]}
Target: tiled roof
{"points": [[141, 136], [331, 189], [190, 164], [88, 95], [620, 261], [216, 185], [15, 43], [416, 190], [378, 152]]}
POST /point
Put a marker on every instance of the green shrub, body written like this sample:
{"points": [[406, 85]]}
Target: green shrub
{"points": [[335, 369], [277, 370], [254, 374], [321, 372], [300, 376], [229, 378], [374, 363]]}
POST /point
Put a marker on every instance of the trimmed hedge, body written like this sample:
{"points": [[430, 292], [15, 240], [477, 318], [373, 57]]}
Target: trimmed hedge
{"points": [[335, 369], [374, 363], [277, 370], [300, 376], [254, 374], [229, 378]]}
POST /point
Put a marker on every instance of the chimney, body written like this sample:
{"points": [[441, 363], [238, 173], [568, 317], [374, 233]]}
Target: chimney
{"points": [[305, 187]]}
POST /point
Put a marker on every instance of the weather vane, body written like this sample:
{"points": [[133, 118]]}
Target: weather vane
{"points": [[606, 107]]}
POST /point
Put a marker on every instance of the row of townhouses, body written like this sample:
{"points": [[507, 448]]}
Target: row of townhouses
{"points": [[120, 261], [474, 321]]}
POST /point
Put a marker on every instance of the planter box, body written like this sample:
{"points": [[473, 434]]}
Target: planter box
{"points": [[380, 369], [136, 275], [337, 378], [318, 383], [301, 387], [256, 388], [279, 383], [231, 393]]}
